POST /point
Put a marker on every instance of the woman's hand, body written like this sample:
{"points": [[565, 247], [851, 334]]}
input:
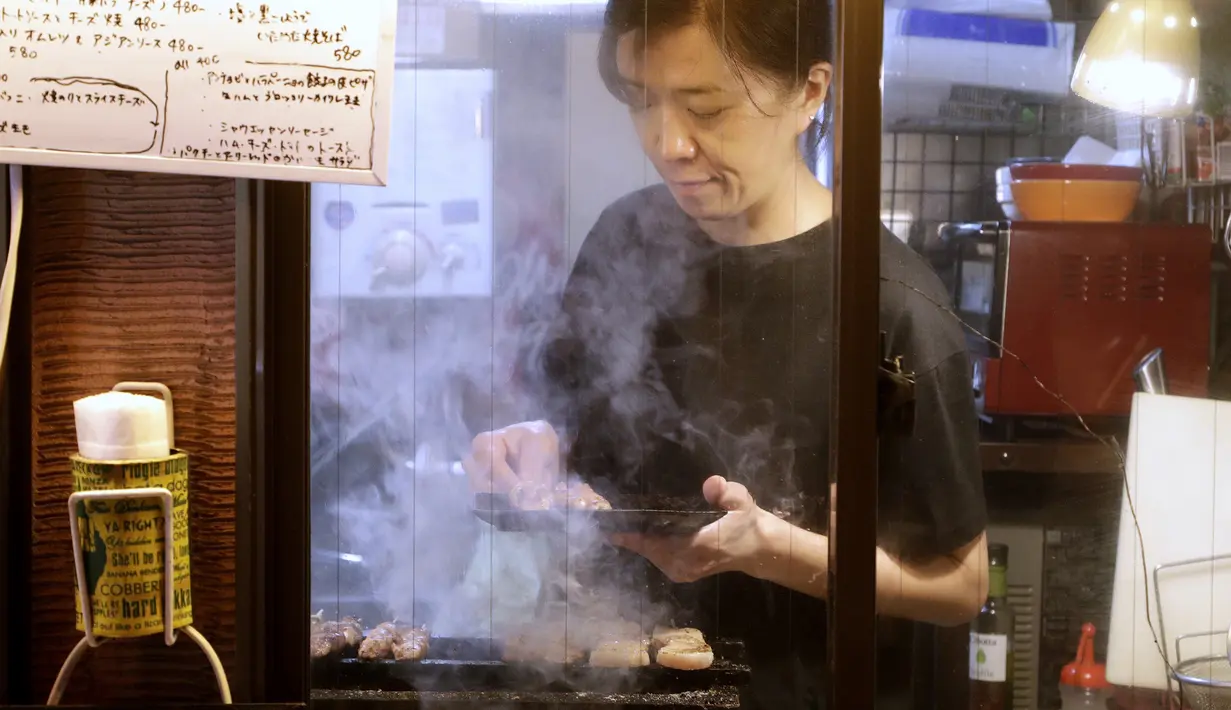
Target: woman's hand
{"points": [[507, 460], [735, 543]]}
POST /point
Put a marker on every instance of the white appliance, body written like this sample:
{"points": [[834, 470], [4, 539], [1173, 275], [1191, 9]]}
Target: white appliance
{"points": [[428, 233], [1179, 478], [930, 53], [1032, 9]]}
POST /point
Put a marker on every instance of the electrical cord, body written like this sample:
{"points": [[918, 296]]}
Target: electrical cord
{"points": [[70, 663], [8, 283]]}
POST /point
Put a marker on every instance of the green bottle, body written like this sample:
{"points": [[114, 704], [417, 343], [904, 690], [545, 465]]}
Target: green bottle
{"points": [[991, 639]]}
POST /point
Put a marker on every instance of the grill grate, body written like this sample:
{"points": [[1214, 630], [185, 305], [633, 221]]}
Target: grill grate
{"points": [[1113, 277], [475, 665], [1103, 277], [1152, 277], [727, 697], [1109, 277], [1074, 277]]}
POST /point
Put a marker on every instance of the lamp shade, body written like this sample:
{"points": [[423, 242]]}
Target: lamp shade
{"points": [[1143, 57]]}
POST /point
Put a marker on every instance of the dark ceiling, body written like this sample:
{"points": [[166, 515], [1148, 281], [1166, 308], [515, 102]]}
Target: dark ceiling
{"points": [[1209, 11]]}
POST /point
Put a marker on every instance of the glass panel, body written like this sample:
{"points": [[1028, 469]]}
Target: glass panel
{"points": [[603, 244], [1057, 165]]}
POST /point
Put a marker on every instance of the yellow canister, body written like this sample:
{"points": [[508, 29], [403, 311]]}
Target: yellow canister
{"points": [[123, 543]]}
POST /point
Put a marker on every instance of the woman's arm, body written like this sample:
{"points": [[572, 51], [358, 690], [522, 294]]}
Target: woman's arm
{"points": [[930, 506], [945, 590]]}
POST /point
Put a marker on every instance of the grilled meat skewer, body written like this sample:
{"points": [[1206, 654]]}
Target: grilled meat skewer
{"points": [[412, 645], [573, 496], [396, 641], [330, 637]]}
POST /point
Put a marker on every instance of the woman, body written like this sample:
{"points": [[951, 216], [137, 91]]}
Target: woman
{"points": [[692, 352]]}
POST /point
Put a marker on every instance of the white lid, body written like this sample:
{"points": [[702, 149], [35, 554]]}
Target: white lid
{"points": [[120, 426]]}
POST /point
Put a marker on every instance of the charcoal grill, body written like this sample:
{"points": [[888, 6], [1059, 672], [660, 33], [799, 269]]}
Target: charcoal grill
{"points": [[726, 697], [468, 672]]}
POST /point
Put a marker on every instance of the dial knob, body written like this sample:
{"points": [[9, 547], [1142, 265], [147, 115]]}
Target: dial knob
{"points": [[402, 259], [452, 257]]}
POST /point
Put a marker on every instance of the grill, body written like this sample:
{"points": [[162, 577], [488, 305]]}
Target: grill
{"points": [[470, 672], [467, 668], [688, 700]]}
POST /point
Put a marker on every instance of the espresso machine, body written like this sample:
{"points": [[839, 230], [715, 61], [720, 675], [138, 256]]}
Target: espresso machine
{"points": [[1065, 311]]}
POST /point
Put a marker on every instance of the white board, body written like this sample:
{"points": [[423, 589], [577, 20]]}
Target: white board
{"points": [[1179, 476], [280, 89]]}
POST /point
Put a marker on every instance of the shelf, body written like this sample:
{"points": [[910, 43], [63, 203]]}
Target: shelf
{"points": [[1049, 457]]}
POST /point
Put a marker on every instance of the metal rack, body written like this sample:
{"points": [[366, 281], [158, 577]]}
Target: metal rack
{"points": [[946, 172], [1204, 682], [1210, 204]]}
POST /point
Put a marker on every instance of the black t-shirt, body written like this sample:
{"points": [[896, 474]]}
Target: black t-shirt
{"points": [[676, 358]]}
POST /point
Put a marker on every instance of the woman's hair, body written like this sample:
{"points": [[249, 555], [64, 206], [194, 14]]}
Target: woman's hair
{"points": [[779, 40]]}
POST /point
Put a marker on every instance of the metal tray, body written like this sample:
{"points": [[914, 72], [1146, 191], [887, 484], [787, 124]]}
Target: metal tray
{"points": [[650, 516], [476, 665]]}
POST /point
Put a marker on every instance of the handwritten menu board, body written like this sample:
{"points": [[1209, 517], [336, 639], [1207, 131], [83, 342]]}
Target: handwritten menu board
{"points": [[282, 90]]}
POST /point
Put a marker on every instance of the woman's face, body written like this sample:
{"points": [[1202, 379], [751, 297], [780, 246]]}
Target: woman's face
{"points": [[722, 142]]}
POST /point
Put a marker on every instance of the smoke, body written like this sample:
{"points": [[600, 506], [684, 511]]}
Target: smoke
{"points": [[400, 389], [408, 385], [412, 383]]}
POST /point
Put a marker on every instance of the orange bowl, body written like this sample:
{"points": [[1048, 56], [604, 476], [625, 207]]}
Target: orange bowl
{"points": [[1076, 200]]}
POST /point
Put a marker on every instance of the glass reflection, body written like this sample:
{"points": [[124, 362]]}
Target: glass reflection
{"points": [[598, 279], [571, 369], [1080, 238]]}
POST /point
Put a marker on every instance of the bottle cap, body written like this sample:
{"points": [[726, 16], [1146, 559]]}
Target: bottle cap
{"points": [[1083, 672], [997, 554]]}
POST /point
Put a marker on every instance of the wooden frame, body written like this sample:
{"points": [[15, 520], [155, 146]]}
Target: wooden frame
{"points": [[271, 455], [276, 530], [6, 502], [15, 481], [249, 233], [856, 356]]}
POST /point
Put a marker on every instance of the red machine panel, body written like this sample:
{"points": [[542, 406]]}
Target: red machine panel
{"points": [[1083, 303]]}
